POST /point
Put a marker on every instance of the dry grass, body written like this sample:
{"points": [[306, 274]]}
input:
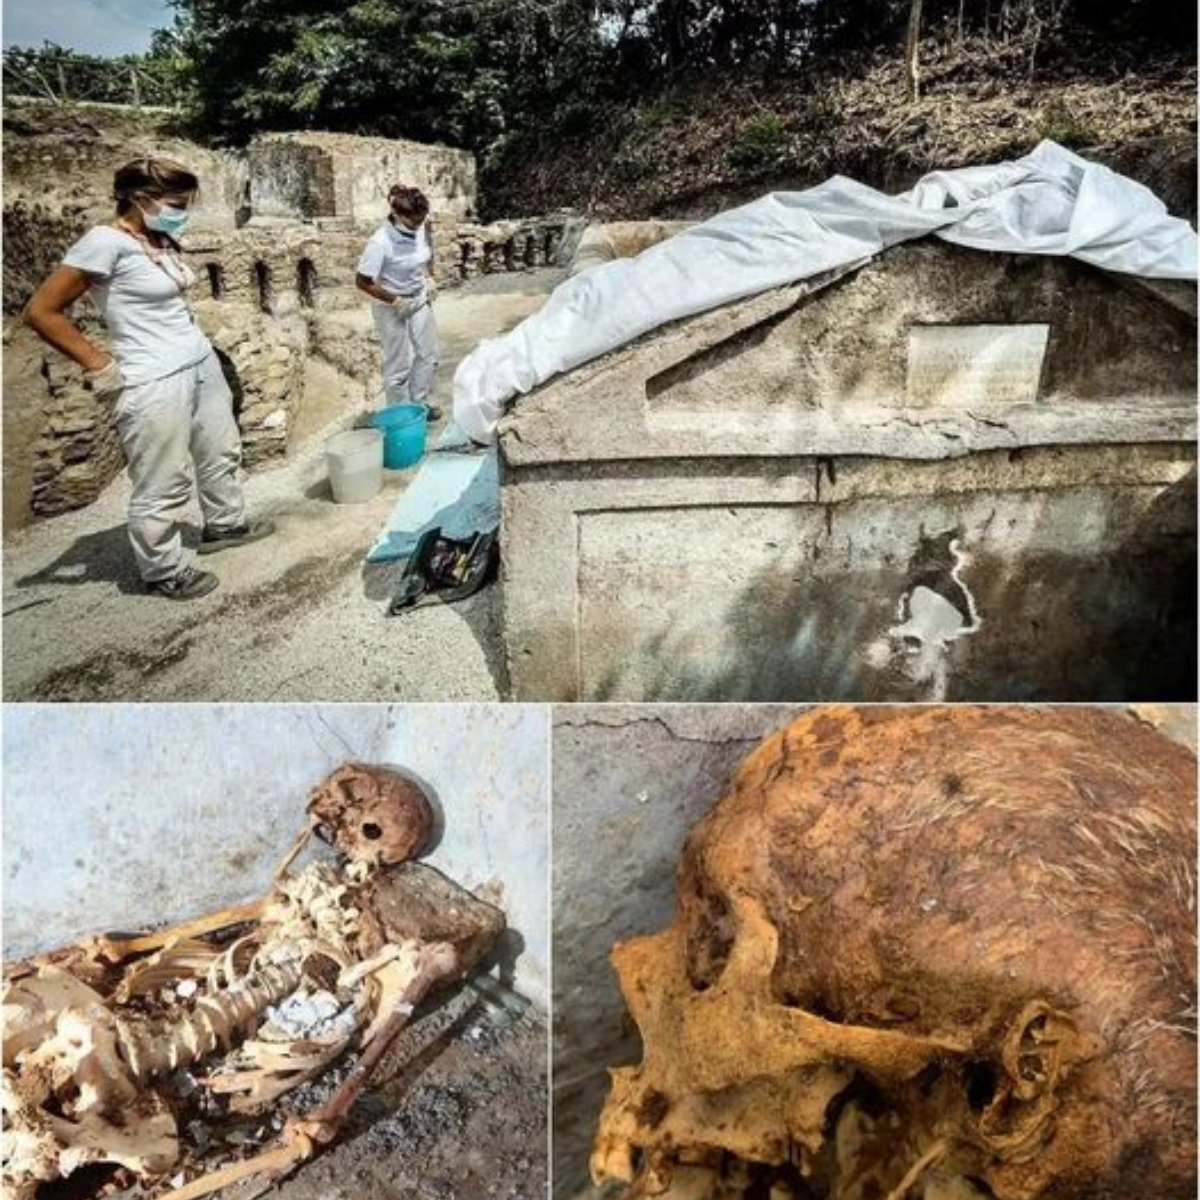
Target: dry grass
{"points": [[723, 139]]}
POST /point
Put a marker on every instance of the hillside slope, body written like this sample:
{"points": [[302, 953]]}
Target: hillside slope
{"points": [[709, 142]]}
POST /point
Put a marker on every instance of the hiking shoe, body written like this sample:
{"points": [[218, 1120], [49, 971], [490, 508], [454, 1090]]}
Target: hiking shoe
{"points": [[187, 584], [212, 540]]}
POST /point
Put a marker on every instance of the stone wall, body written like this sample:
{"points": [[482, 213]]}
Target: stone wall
{"points": [[606, 241], [58, 169], [77, 452], [268, 295], [469, 250], [298, 266], [263, 357], [35, 236], [274, 240], [307, 175], [947, 474]]}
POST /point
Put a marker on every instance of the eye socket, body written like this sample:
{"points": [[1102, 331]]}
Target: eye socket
{"points": [[980, 1081], [371, 831]]}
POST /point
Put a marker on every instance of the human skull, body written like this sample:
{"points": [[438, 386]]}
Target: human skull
{"points": [[933, 953], [372, 814]]}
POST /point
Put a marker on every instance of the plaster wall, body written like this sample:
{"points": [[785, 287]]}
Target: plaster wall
{"points": [[121, 817]]}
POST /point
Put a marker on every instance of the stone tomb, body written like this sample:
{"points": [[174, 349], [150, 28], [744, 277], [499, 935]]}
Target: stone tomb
{"points": [[942, 474]]}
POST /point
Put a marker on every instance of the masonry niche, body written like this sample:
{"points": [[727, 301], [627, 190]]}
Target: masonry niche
{"points": [[940, 475]]}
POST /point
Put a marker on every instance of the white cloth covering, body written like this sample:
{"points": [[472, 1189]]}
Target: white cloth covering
{"points": [[1049, 202], [151, 331]]}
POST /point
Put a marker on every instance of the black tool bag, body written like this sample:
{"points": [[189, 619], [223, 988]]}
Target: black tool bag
{"points": [[443, 570]]}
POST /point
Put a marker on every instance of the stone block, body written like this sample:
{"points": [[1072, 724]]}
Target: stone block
{"points": [[751, 504]]}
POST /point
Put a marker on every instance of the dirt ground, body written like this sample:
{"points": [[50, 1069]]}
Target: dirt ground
{"points": [[299, 616]]}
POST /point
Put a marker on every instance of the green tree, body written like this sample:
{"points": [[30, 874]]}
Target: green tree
{"points": [[425, 69]]}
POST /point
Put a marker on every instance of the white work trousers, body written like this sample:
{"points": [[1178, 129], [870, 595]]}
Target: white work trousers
{"points": [[410, 353], [169, 427]]}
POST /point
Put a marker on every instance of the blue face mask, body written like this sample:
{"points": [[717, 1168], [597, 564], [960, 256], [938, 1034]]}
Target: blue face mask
{"points": [[170, 221]]}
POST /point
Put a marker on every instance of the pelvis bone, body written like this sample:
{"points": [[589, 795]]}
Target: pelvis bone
{"points": [[924, 953], [111, 1044]]}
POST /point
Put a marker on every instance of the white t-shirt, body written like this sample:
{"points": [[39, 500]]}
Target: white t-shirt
{"points": [[396, 259], [150, 329]]}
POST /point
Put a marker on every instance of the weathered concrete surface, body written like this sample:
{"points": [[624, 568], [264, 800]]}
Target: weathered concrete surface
{"points": [[629, 783], [604, 241], [174, 811], [313, 174], [815, 494], [297, 617]]}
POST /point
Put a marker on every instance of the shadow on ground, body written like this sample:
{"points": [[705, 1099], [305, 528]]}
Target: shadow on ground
{"points": [[100, 557], [480, 613]]}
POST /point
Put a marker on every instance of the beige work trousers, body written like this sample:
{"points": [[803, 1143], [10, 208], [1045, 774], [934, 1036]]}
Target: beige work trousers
{"points": [[410, 353], [174, 429]]}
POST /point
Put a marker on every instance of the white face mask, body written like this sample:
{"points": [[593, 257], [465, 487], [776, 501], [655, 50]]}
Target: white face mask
{"points": [[168, 220]]}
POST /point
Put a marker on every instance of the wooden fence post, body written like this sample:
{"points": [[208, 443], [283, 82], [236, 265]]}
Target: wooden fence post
{"points": [[912, 44]]}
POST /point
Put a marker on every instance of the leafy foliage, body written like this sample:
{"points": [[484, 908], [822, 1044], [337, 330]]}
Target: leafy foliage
{"points": [[474, 71], [454, 72], [762, 143]]}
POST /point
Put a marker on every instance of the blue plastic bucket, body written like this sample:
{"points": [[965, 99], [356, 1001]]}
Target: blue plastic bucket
{"points": [[403, 427]]}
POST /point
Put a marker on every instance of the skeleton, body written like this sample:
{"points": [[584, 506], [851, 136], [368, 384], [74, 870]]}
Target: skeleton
{"points": [[101, 1038], [938, 953]]}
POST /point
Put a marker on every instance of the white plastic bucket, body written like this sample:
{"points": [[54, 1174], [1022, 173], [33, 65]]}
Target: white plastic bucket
{"points": [[354, 460]]}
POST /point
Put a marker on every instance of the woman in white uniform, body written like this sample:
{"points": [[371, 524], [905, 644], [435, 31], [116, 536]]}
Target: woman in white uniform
{"points": [[396, 271], [173, 408]]}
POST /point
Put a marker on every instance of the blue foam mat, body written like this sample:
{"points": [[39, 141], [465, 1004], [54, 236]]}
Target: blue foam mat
{"points": [[456, 491]]}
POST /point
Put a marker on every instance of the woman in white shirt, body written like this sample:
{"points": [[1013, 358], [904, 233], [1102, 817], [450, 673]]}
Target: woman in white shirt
{"points": [[173, 408], [396, 271]]}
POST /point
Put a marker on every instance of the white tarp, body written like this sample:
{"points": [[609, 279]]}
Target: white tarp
{"points": [[1049, 202]]}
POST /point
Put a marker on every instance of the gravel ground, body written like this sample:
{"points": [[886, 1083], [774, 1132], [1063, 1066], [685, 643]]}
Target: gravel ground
{"points": [[297, 617], [463, 1118]]}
